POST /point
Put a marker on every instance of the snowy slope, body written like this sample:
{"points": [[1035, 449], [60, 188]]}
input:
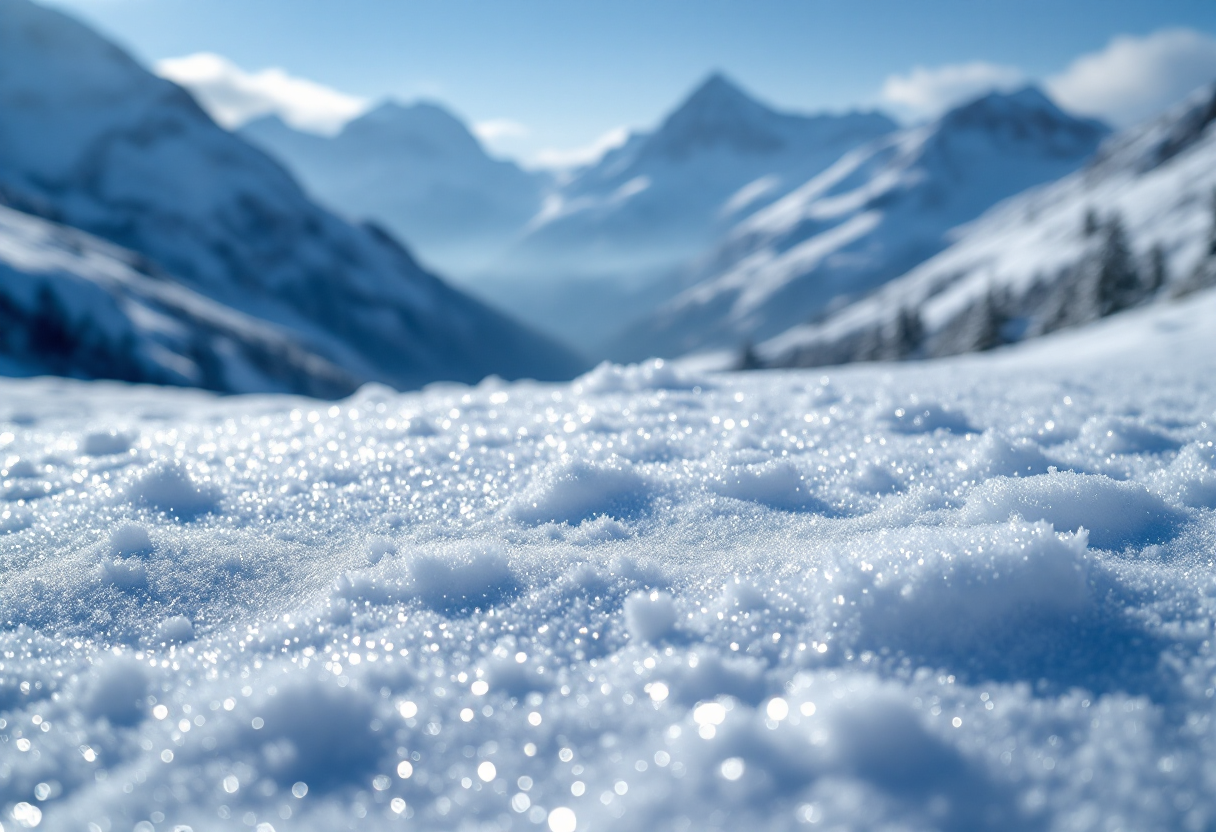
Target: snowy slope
{"points": [[418, 170], [630, 221], [1158, 179], [71, 304], [873, 215], [92, 140], [964, 595]]}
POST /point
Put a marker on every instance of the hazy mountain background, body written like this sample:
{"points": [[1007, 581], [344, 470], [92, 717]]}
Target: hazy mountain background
{"points": [[145, 242], [92, 140]]}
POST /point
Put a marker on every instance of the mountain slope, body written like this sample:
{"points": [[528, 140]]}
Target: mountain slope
{"points": [[418, 170], [92, 140], [74, 305], [1035, 263], [869, 218], [625, 226]]}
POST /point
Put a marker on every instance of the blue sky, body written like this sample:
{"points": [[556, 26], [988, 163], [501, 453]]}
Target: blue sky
{"points": [[544, 78]]}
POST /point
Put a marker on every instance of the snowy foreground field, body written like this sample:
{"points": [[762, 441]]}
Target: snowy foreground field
{"points": [[970, 595]]}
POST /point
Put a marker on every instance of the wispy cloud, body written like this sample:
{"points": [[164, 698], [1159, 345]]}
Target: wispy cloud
{"points": [[574, 157], [500, 128], [926, 92], [1135, 77], [233, 96], [502, 135], [1132, 78]]}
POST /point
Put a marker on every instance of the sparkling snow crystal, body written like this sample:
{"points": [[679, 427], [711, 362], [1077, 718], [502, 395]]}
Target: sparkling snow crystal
{"points": [[976, 595]]}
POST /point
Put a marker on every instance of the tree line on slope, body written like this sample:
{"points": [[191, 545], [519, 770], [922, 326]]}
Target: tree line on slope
{"points": [[1107, 279]]}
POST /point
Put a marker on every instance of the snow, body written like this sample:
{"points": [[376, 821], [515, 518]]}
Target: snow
{"points": [[421, 172], [94, 141], [614, 240], [868, 218], [1157, 177], [968, 594], [118, 316]]}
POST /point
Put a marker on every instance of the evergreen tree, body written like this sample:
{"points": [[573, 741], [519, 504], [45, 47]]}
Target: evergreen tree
{"points": [[1117, 282], [987, 320], [51, 336], [1212, 228], [1156, 272], [1204, 273], [870, 344], [904, 334], [748, 359], [1091, 224]]}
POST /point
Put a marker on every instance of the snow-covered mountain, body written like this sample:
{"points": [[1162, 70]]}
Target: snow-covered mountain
{"points": [[870, 217], [418, 170], [74, 305], [1139, 221], [620, 230], [92, 140]]}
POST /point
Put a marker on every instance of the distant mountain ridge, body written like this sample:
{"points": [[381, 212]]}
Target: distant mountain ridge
{"points": [[91, 140], [876, 213], [419, 171], [1136, 224], [613, 241]]}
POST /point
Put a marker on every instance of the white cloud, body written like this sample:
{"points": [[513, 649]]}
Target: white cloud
{"points": [[497, 129], [574, 157], [501, 135], [927, 92], [1136, 77], [233, 96]]}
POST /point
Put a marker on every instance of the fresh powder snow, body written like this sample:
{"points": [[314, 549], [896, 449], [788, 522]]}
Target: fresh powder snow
{"points": [[968, 595]]}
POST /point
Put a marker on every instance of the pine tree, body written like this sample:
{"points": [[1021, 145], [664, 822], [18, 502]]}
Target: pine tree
{"points": [[748, 359], [1117, 282], [1204, 273], [987, 321], [1156, 272], [1212, 227], [904, 334], [51, 336], [870, 344], [1091, 224]]}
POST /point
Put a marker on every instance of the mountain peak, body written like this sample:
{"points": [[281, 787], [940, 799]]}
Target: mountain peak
{"points": [[1023, 114], [1016, 104], [718, 91], [392, 114], [718, 114], [422, 124]]}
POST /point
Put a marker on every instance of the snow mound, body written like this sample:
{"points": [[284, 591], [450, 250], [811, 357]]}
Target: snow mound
{"points": [[995, 454], [171, 488], [1122, 435], [655, 374], [989, 578], [130, 539], [474, 576], [778, 485], [106, 443], [579, 491], [1116, 514], [927, 417], [650, 617]]}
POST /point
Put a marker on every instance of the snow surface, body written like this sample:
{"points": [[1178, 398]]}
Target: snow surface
{"points": [[966, 595]]}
